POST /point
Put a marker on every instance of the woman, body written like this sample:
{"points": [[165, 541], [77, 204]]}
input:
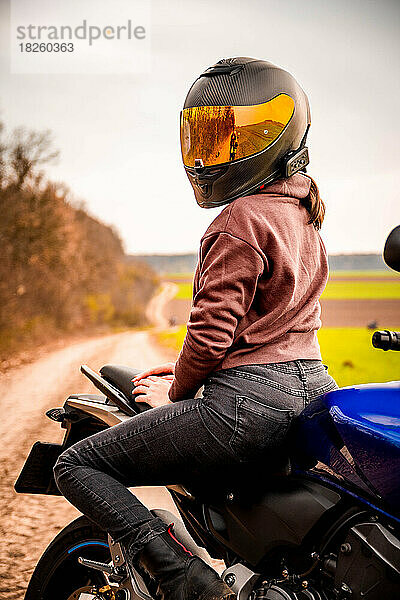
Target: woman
{"points": [[252, 332]]}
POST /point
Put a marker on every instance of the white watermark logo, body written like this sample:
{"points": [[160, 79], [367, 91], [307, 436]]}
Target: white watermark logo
{"points": [[90, 33], [52, 37]]}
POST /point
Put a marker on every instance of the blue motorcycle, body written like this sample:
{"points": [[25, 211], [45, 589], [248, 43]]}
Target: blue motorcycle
{"points": [[324, 524]]}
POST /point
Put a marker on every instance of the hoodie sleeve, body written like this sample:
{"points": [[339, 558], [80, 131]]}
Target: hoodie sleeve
{"points": [[228, 275]]}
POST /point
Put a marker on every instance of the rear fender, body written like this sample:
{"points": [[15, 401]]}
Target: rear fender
{"points": [[81, 416]]}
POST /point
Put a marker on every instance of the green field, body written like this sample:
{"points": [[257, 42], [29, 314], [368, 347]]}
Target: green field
{"points": [[339, 290], [347, 351]]}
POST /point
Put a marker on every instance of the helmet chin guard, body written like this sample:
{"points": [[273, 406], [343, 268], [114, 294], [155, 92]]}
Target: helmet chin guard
{"points": [[244, 124]]}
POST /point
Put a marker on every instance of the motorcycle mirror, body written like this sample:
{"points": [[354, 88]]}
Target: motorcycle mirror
{"points": [[391, 253]]}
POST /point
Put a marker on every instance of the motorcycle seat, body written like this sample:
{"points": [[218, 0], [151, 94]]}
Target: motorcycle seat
{"points": [[120, 377]]}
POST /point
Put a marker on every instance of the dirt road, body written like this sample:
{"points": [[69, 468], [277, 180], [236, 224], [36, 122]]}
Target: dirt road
{"points": [[156, 308], [29, 522]]}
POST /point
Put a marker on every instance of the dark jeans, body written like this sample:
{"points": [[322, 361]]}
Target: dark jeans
{"points": [[244, 415]]}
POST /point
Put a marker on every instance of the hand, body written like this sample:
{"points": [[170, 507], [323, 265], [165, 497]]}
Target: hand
{"points": [[154, 390], [164, 369]]}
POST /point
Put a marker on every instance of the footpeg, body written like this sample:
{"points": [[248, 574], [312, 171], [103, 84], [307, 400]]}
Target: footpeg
{"points": [[115, 573]]}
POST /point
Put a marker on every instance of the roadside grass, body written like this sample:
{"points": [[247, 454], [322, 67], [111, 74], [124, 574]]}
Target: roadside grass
{"points": [[172, 338], [183, 276], [184, 291], [347, 351]]}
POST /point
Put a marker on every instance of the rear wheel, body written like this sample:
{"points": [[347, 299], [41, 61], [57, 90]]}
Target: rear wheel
{"points": [[58, 573]]}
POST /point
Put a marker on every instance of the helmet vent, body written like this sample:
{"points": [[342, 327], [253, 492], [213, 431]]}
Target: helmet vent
{"points": [[223, 67]]}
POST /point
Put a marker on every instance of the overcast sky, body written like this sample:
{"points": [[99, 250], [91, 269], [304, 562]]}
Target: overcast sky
{"points": [[118, 134]]}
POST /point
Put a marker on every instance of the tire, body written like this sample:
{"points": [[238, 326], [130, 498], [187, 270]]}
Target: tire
{"points": [[58, 573]]}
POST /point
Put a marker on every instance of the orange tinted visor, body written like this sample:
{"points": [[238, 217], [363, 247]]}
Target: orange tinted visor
{"points": [[222, 134]]}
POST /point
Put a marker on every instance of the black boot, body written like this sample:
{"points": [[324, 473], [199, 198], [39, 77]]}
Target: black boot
{"points": [[180, 575]]}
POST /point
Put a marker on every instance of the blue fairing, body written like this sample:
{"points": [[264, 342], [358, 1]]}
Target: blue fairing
{"points": [[352, 435]]}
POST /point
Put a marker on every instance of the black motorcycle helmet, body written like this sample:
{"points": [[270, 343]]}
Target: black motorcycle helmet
{"points": [[243, 125]]}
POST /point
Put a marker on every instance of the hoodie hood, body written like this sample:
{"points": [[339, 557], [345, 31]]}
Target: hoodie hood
{"points": [[296, 186]]}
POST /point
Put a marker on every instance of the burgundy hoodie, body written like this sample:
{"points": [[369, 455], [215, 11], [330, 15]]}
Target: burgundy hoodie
{"points": [[260, 273]]}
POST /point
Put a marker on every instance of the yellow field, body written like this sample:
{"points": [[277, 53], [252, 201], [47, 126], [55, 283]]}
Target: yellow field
{"points": [[355, 286], [351, 358], [375, 274], [347, 351], [340, 290]]}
